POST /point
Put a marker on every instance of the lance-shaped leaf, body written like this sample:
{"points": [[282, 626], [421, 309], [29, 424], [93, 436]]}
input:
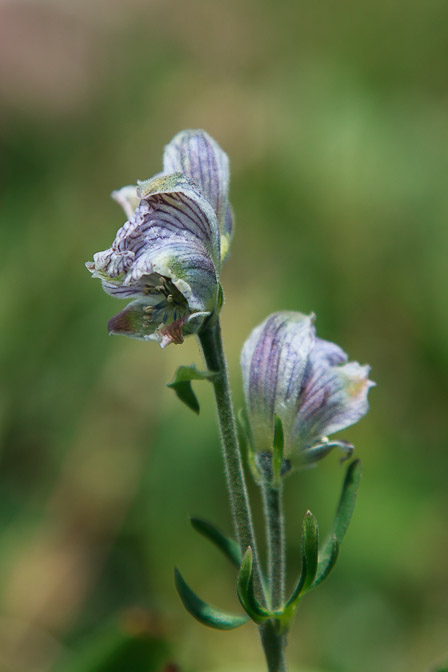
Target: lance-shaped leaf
{"points": [[246, 590], [182, 384], [310, 547], [327, 560], [203, 612], [344, 512], [228, 546]]}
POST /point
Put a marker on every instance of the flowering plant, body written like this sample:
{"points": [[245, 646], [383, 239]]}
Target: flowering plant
{"points": [[298, 388], [167, 256]]}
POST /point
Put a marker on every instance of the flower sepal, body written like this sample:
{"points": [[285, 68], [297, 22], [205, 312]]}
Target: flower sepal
{"points": [[310, 456]]}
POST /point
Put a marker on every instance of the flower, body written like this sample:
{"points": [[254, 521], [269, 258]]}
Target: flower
{"points": [[168, 254], [307, 382]]}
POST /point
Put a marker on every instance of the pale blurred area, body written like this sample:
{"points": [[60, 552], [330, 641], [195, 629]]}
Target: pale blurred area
{"points": [[334, 117]]}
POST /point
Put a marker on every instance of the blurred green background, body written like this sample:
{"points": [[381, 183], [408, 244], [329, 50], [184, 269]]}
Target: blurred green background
{"points": [[334, 117]]}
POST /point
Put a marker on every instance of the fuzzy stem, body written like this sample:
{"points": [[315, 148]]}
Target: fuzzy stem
{"points": [[211, 343], [274, 647], [273, 512]]}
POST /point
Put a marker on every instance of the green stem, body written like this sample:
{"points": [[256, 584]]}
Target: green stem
{"points": [[211, 343], [274, 647], [275, 536]]}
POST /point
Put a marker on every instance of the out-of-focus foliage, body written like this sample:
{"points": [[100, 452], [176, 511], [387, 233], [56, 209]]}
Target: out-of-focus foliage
{"points": [[129, 643], [334, 117]]}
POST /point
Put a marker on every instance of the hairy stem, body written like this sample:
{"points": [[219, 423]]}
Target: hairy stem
{"points": [[273, 505], [273, 646], [211, 343]]}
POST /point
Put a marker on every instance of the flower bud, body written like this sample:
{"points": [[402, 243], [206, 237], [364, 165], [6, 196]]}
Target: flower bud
{"points": [[307, 382]]}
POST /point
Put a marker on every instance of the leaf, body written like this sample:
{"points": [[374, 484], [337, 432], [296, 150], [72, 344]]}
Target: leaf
{"points": [[182, 384], [246, 592], [344, 512], [277, 456], [310, 547], [347, 500], [327, 560], [203, 612], [228, 546]]}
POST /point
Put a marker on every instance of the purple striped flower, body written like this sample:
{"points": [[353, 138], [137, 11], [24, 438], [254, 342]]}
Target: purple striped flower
{"points": [[167, 256], [306, 381]]}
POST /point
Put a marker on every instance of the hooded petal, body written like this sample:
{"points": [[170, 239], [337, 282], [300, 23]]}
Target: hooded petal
{"points": [[173, 233], [273, 362], [306, 381], [199, 157]]}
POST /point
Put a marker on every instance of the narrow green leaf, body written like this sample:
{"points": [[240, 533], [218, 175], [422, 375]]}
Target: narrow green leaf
{"points": [[277, 457], [203, 612], [228, 546], [327, 560], [246, 592], [310, 546], [182, 384], [347, 500], [344, 512]]}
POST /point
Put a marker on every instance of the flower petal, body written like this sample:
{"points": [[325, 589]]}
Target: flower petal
{"points": [[198, 156], [145, 322], [128, 198], [332, 398], [273, 362], [306, 381], [173, 233]]}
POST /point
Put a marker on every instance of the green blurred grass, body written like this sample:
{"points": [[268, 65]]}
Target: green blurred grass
{"points": [[334, 120]]}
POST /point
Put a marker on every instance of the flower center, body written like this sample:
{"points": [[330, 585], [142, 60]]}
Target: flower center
{"points": [[166, 303]]}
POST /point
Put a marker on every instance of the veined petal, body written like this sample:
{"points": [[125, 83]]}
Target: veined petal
{"points": [[128, 198], [194, 218], [306, 381], [198, 156], [173, 233], [167, 255], [332, 398], [273, 362]]}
